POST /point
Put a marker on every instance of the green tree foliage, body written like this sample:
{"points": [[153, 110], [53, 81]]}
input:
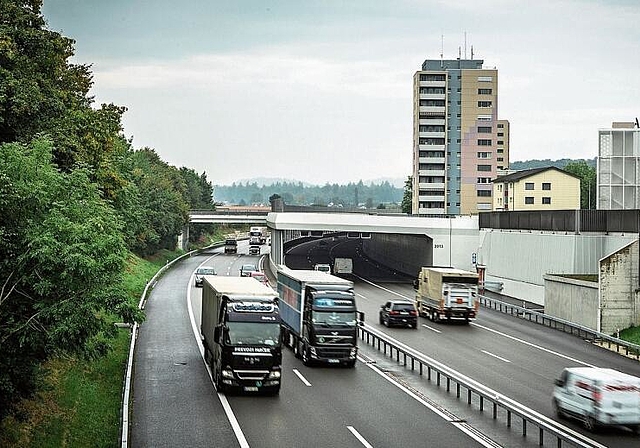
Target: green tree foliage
{"points": [[406, 204], [296, 193], [61, 261], [588, 182]]}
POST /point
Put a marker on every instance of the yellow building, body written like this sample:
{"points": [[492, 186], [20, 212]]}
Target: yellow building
{"points": [[547, 188]]}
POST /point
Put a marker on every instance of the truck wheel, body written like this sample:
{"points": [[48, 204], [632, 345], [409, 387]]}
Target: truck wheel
{"points": [[207, 356], [350, 364], [296, 348], [218, 382], [380, 319]]}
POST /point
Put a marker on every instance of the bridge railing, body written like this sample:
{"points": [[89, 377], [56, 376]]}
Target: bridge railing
{"points": [[612, 343], [475, 393]]}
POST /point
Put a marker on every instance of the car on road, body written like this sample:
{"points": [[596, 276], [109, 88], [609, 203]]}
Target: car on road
{"points": [[247, 269], [322, 267], [261, 277], [254, 250], [201, 272], [400, 313]]}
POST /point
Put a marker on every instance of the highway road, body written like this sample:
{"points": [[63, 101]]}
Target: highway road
{"points": [[175, 403], [377, 404]]}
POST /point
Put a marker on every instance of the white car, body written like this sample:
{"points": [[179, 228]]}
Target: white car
{"points": [[201, 272]]}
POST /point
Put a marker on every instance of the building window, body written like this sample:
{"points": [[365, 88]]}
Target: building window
{"points": [[500, 134], [432, 77], [485, 91], [484, 180], [500, 142], [484, 142], [484, 155], [528, 200], [500, 126], [485, 78], [546, 186], [528, 186], [484, 193], [484, 167], [546, 200], [500, 159], [458, 140], [484, 129], [484, 103], [500, 151]]}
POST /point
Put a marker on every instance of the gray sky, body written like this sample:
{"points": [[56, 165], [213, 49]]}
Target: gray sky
{"points": [[321, 91]]}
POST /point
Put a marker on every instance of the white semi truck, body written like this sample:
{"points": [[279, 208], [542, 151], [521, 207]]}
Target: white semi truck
{"points": [[447, 293]]}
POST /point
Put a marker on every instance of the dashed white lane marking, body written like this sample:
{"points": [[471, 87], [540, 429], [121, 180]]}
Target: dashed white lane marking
{"points": [[302, 378], [495, 356]]}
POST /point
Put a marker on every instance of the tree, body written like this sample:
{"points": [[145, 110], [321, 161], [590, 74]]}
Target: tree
{"points": [[61, 262], [588, 182], [407, 200]]}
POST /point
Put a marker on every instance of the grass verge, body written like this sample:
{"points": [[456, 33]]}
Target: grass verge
{"points": [[79, 402]]}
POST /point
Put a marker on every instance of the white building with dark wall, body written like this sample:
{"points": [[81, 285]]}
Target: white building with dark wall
{"points": [[618, 168]]}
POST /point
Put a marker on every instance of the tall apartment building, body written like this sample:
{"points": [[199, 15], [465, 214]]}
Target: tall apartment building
{"points": [[618, 168], [458, 141]]}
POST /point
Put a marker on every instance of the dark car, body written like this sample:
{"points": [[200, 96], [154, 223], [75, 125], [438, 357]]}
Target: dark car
{"points": [[399, 312], [201, 272], [247, 269], [254, 250]]}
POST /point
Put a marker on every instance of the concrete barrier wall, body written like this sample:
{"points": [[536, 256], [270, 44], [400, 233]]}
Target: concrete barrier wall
{"points": [[404, 253], [572, 300], [619, 280]]}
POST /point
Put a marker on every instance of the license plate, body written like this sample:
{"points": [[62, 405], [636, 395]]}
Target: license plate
{"points": [[334, 361], [251, 389]]}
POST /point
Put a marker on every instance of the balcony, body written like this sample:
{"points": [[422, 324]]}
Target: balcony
{"points": [[434, 186], [431, 160], [433, 96], [432, 83], [433, 109]]}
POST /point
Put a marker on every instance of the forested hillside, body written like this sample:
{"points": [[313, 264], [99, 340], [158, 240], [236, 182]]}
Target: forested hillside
{"points": [[560, 163], [297, 193], [75, 201]]}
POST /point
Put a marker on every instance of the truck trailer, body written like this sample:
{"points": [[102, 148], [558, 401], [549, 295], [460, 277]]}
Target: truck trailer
{"points": [[240, 329], [260, 234], [343, 266], [319, 316], [447, 293], [230, 246]]}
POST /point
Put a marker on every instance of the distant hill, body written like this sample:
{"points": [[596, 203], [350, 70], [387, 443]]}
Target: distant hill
{"points": [[536, 163], [266, 181]]}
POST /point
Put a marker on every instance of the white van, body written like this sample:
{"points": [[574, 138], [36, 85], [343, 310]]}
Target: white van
{"points": [[598, 397]]}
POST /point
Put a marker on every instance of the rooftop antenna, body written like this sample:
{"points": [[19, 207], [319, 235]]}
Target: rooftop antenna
{"points": [[637, 124], [465, 45], [459, 52], [441, 50], [471, 51]]}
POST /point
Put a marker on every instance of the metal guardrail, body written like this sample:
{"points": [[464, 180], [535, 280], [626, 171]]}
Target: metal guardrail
{"points": [[483, 395], [620, 346], [126, 390]]}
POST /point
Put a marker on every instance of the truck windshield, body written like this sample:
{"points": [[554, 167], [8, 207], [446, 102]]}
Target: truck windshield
{"points": [[334, 318], [253, 333]]}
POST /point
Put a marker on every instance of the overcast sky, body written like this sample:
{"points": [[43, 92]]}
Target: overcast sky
{"points": [[321, 91]]}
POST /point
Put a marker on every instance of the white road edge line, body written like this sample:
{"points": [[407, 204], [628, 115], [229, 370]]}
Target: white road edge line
{"points": [[531, 344], [302, 378], [362, 440], [430, 328], [435, 410], [223, 399], [495, 356]]}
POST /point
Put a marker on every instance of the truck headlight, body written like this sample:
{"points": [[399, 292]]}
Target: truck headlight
{"points": [[354, 352], [274, 375], [227, 374]]}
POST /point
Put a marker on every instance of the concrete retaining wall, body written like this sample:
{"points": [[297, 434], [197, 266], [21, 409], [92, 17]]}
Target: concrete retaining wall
{"points": [[572, 300], [619, 280]]}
